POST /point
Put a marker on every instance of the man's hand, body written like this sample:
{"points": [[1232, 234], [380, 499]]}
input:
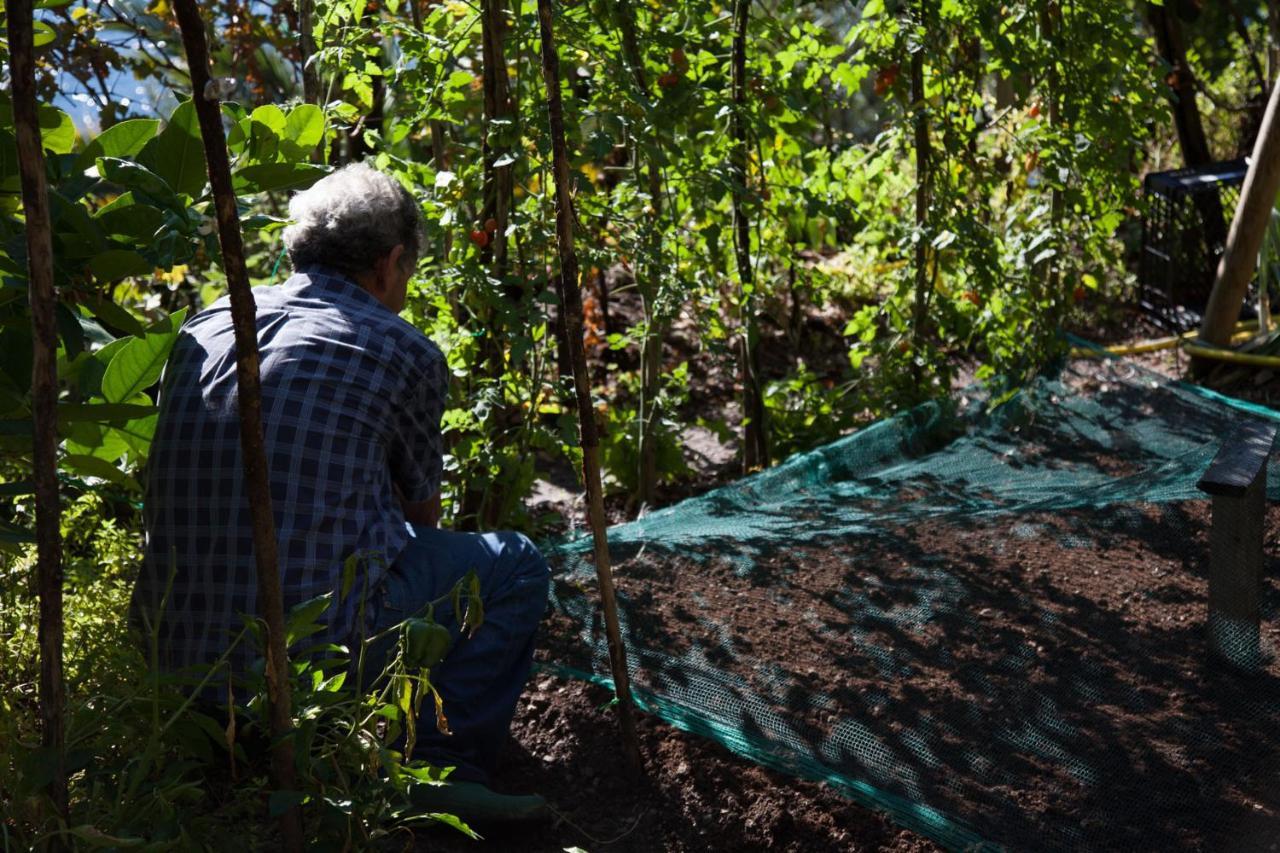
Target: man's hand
{"points": [[425, 513]]}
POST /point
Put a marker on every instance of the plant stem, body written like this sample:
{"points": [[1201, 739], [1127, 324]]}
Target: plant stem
{"points": [[755, 442]]}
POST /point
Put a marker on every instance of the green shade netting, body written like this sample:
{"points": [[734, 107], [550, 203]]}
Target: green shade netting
{"points": [[987, 623]]}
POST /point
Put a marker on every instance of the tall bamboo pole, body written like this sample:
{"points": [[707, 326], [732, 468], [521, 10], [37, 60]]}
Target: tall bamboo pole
{"points": [[924, 166], [44, 392], [243, 316], [571, 312], [755, 435]]}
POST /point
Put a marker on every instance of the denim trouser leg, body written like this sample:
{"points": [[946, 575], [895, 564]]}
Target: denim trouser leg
{"points": [[483, 676]]}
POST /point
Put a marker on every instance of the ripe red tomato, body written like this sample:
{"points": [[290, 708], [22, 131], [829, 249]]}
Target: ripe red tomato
{"points": [[491, 225], [669, 79], [480, 238]]}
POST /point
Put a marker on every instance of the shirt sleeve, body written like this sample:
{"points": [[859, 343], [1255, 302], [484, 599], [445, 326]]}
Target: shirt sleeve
{"points": [[417, 449]]}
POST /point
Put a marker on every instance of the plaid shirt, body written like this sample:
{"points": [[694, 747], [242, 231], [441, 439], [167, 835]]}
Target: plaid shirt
{"points": [[352, 397]]}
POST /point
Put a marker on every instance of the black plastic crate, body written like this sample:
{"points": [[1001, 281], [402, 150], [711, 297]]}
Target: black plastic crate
{"points": [[1184, 233]]}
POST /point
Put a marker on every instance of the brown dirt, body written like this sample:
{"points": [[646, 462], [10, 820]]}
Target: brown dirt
{"points": [[1041, 678], [697, 796]]}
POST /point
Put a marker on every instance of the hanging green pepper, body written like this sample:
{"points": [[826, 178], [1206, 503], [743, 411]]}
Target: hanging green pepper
{"points": [[425, 643]]}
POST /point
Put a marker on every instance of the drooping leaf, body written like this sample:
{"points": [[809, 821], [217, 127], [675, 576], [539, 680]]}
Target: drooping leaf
{"points": [[276, 176], [177, 153], [113, 315], [120, 140], [115, 264], [93, 466], [137, 366]]}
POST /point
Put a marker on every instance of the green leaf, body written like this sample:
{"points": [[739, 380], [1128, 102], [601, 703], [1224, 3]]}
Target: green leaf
{"points": [[141, 181], [177, 154], [276, 176], [115, 264], [42, 34], [56, 129], [305, 126], [137, 366], [92, 466], [120, 140], [872, 9], [113, 315], [301, 620], [102, 412]]}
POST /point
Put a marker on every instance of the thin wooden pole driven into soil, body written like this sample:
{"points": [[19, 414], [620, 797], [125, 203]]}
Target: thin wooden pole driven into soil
{"points": [[924, 163], [571, 312], [755, 435], [243, 314], [44, 392], [1253, 216]]}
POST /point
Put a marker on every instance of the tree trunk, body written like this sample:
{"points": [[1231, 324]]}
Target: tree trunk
{"points": [[571, 311], [646, 279], [1253, 217], [307, 50], [1186, 113], [755, 442], [44, 394], [1052, 273], [243, 313]]}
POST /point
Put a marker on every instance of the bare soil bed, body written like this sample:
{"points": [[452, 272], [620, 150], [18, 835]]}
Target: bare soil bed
{"points": [[1040, 678], [697, 796]]}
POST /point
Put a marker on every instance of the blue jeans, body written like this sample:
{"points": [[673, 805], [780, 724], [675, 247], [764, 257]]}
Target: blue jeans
{"points": [[483, 676]]}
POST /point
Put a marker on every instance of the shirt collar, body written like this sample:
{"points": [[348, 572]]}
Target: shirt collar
{"points": [[335, 283]]}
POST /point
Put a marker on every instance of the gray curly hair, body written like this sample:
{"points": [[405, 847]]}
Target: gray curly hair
{"points": [[349, 219]]}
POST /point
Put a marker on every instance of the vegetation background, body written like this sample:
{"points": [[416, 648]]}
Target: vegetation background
{"points": [[882, 199]]}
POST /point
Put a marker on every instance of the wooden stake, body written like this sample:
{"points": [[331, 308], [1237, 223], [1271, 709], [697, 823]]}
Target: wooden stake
{"points": [[571, 311], [924, 162], [244, 319], [1253, 217], [44, 393]]}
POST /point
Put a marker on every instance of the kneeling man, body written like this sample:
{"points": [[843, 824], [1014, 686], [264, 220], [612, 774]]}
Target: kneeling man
{"points": [[352, 398]]}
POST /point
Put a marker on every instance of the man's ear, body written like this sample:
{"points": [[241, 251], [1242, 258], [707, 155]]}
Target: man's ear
{"points": [[393, 258]]}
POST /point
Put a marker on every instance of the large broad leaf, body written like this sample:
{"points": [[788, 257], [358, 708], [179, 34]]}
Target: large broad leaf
{"points": [[124, 217], [105, 412], [115, 264], [276, 176], [92, 466], [141, 181], [304, 127], [120, 140], [137, 366], [267, 128], [177, 154], [113, 315]]}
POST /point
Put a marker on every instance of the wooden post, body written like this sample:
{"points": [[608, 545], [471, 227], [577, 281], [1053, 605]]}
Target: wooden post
{"points": [[248, 380], [1237, 479], [571, 313], [44, 393], [1253, 217]]}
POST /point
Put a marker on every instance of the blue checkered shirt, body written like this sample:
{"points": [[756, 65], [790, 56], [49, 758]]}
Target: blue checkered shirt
{"points": [[352, 397]]}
